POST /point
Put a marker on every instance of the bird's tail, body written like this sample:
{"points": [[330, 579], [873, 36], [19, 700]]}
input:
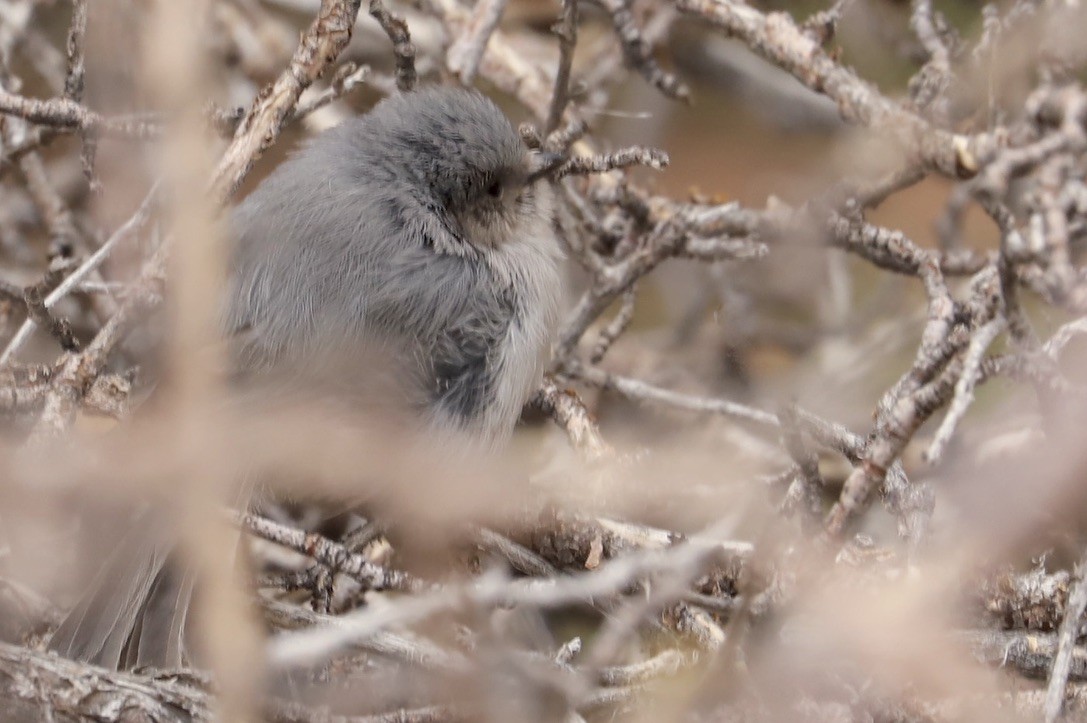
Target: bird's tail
{"points": [[136, 612]]}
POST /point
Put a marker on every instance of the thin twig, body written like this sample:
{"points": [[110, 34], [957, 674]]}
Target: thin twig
{"points": [[640, 391], [616, 326], [635, 156], [893, 432], [467, 51], [519, 557], [1069, 632], [332, 554], [66, 114], [321, 44], [319, 47], [52, 685], [311, 646], [123, 233], [567, 410], [964, 388], [566, 31], [403, 50], [345, 80], [79, 371], [777, 38], [638, 52], [74, 81], [409, 649], [34, 296]]}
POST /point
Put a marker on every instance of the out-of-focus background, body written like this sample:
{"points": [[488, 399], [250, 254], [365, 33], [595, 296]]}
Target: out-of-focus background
{"points": [[817, 459]]}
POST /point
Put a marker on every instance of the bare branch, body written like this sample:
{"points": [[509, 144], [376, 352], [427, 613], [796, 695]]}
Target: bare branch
{"points": [[566, 30], [34, 296], [79, 371], [1069, 632], [642, 392], [893, 250], [409, 649], [638, 52], [891, 436], [123, 234], [307, 647], [777, 38], [75, 79], [467, 51], [636, 156], [73, 83], [330, 553], [569, 413], [397, 30], [519, 557], [618, 325], [964, 388], [320, 46], [65, 114], [50, 685], [345, 80]]}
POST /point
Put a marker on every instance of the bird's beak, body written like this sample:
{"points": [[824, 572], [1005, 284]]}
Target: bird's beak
{"points": [[542, 163]]}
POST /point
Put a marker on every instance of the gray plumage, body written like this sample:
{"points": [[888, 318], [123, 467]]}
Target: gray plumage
{"points": [[413, 228], [415, 234]]}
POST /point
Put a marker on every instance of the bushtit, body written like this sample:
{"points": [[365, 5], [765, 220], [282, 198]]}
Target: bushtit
{"points": [[417, 229]]}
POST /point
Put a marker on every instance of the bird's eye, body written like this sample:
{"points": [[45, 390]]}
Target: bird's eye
{"points": [[495, 189]]}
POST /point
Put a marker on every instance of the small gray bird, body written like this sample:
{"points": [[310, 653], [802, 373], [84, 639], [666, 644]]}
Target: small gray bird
{"points": [[418, 230]]}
